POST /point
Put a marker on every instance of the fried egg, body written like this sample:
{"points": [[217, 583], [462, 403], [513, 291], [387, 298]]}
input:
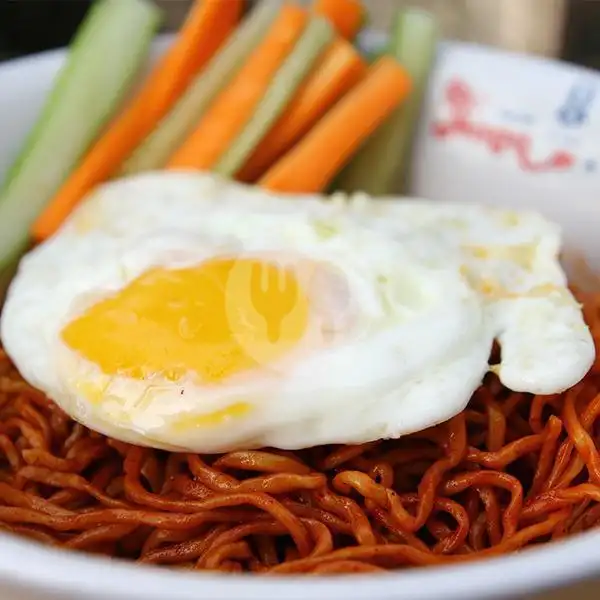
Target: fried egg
{"points": [[183, 312], [511, 259]]}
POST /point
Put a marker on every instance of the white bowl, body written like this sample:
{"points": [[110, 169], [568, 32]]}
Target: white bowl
{"points": [[460, 167]]}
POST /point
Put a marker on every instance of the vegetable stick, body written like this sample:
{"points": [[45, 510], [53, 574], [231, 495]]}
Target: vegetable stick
{"points": [[381, 166], [313, 42], [338, 71], [310, 165], [172, 131], [101, 66], [347, 16], [207, 26], [233, 108]]}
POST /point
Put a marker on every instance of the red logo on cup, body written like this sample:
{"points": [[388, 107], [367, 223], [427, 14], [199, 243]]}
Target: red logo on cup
{"points": [[462, 102]]}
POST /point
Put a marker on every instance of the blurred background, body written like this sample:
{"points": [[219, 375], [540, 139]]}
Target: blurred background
{"points": [[566, 29]]}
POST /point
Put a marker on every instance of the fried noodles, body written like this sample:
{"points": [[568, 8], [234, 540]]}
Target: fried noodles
{"points": [[509, 472]]}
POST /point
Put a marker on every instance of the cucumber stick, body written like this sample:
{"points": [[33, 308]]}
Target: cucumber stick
{"points": [[7, 272], [171, 132], [108, 49], [382, 164], [373, 57], [314, 40]]}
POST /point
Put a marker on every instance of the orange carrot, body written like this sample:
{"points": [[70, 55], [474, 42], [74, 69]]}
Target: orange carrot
{"points": [[337, 72], [347, 16], [228, 114], [311, 164], [208, 25]]}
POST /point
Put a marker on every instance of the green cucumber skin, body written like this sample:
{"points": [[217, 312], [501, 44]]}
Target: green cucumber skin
{"points": [[155, 151], [368, 172], [420, 70], [315, 39], [8, 269], [382, 164], [112, 28], [373, 57]]}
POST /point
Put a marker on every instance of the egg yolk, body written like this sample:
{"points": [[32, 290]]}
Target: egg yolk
{"points": [[214, 320]]}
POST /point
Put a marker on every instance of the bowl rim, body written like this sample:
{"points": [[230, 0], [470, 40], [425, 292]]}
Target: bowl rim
{"points": [[31, 566], [72, 574]]}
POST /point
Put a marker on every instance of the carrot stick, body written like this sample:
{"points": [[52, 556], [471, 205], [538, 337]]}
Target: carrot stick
{"points": [[347, 16], [313, 42], [206, 28], [337, 72], [232, 109], [311, 164]]}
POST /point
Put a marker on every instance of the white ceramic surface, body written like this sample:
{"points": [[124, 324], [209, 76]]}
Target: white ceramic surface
{"points": [[477, 161]]}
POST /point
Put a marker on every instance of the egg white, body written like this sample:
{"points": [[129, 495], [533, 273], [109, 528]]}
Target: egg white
{"points": [[428, 288], [512, 259]]}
